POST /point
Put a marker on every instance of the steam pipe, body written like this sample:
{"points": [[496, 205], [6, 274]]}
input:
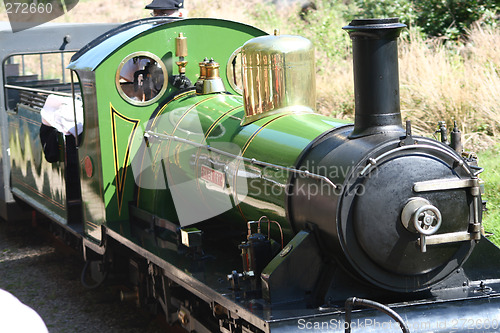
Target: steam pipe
{"points": [[352, 301], [376, 79]]}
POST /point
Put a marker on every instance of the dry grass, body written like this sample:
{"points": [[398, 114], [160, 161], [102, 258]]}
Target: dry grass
{"points": [[93, 11], [461, 83], [106, 11], [100, 11], [225, 10]]}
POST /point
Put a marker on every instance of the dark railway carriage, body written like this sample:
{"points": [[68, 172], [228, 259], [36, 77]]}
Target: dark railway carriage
{"points": [[204, 176], [33, 63]]}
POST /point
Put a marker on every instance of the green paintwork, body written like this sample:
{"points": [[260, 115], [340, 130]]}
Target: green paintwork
{"points": [[114, 132], [247, 191], [95, 56]]}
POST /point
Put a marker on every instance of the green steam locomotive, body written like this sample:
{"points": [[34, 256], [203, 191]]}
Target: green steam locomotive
{"points": [[186, 155]]}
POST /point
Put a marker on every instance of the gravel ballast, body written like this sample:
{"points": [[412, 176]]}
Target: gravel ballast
{"points": [[47, 279]]}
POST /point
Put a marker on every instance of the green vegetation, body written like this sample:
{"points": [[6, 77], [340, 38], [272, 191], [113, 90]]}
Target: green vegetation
{"points": [[450, 19], [453, 18], [490, 160]]}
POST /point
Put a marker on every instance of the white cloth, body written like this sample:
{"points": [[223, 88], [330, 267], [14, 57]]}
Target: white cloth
{"points": [[16, 317], [58, 113]]}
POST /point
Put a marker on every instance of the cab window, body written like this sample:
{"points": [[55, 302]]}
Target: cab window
{"points": [[141, 78]]}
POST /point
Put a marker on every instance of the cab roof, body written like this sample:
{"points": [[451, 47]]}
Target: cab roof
{"points": [[95, 52]]}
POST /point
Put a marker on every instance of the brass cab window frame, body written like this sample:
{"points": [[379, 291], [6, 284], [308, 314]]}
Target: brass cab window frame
{"points": [[230, 75], [119, 84]]}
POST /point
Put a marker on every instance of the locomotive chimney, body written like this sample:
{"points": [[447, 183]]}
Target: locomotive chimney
{"points": [[376, 80]]}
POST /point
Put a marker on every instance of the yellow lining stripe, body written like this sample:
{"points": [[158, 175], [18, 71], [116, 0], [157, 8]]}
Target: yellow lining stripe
{"points": [[210, 129], [121, 178], [245, 147]]}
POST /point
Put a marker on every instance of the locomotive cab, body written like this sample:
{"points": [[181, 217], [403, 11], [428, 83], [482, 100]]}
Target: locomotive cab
{"points": [[124, 89]]}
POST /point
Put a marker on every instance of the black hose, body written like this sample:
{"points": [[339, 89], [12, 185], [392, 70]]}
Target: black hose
{"points": [[84, 273], [351, 302]]}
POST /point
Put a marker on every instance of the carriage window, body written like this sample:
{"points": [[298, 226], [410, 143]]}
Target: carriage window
{"points": [[30, 78], [141, 78]]}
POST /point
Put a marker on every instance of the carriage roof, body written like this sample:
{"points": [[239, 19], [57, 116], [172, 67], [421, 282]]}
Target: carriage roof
{"points": [[48, 37]]}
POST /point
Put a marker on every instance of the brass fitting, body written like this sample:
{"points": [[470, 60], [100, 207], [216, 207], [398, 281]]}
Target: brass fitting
{"points": [[181, 46], [203, 75], [182, 66], [181, 52], [212, 82]]}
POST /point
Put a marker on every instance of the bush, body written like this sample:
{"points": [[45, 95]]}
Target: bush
{"points": [[447, 18], [451, 18], [387, 8]]}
